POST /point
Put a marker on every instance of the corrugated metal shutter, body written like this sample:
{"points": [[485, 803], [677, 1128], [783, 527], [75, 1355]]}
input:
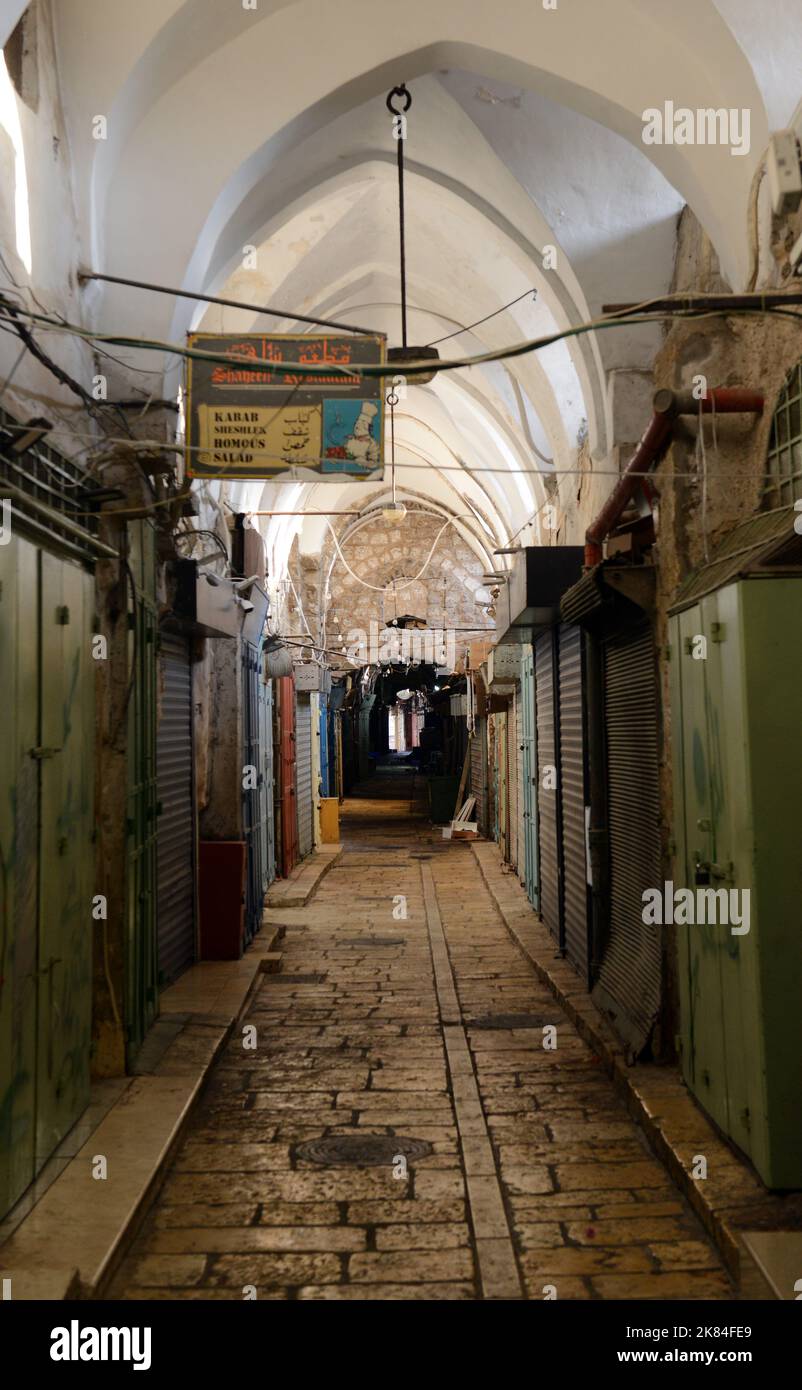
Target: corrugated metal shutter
{"points": [[628, 988], [479, 772], [303, 773], [573, 799], [254, 796], [548, 793], [520, 849], [176, 824]]}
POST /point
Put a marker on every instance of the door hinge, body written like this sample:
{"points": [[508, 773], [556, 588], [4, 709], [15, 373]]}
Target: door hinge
{"points": [[62, 615], [44, 752], [718, 632]]}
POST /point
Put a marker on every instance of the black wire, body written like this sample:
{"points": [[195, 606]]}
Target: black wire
{"points": [[203, 531], [403, 92], [478, 322]]}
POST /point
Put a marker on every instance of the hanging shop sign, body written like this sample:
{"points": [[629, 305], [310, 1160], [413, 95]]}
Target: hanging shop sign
{"points": [[303, 408]]}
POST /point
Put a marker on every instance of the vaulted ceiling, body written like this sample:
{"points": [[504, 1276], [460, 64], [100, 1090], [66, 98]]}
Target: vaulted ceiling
{"points": [[231, 127]]}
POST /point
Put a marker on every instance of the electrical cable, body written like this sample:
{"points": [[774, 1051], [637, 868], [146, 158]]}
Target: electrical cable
{"points": [[369, 370], [380, 588], [470, 326]]}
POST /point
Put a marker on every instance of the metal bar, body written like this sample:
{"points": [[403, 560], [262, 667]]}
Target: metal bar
{"points": [[722, 302], [84, 275], [57, 519]]}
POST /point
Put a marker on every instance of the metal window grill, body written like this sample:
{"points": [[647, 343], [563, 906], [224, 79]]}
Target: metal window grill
{"points": [[51, 495], [784, 460]]}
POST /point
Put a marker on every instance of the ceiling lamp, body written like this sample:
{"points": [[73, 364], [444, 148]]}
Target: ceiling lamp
{"points": [[394, 512], [399, 101]]}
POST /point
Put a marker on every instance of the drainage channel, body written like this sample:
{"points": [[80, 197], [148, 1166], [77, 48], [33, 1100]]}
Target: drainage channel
{"points": [[495, 1252]]}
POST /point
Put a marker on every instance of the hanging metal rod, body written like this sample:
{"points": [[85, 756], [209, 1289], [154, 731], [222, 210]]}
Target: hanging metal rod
{"points": [[84, 275]]}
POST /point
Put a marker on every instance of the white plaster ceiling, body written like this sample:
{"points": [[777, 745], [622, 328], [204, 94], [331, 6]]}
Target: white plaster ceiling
{"points": [[229, 127]]}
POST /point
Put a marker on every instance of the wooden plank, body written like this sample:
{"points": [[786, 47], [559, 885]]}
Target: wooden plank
{"points": [[463, 779]]}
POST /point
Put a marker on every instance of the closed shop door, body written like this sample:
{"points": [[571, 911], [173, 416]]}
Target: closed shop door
{"points": [[254, 790], [479, 772], [46, 855], [325, 782], [512, 782], [287, 798], [314, 703], [175, 846], [269, 779], [548, 785], [573, 800], [502, 774], [142, 951], [628, 988], [363, 747], [303, 773], [518, 749], [529, 796]]}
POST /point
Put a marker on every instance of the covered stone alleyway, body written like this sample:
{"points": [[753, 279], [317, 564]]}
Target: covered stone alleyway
{"points": [[534, 1182]]}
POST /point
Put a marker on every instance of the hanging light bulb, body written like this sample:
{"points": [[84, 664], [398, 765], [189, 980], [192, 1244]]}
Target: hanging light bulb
{"points": [[395, 512]]}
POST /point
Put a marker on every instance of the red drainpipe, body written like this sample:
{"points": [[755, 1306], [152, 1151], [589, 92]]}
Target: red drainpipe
{"points": [[726, 400]]}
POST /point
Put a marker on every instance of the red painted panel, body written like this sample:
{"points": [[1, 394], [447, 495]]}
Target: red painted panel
{"points": [[221, 895]]}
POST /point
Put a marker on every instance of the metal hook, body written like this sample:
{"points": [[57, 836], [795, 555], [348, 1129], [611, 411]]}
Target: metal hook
{"points": [[401, 91]]}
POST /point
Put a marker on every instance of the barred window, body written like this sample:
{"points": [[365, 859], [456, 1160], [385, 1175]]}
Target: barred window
{"points": [[784, 461]]}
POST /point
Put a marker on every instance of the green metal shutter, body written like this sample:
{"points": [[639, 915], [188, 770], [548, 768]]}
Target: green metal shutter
{"points": [[47, 876]]}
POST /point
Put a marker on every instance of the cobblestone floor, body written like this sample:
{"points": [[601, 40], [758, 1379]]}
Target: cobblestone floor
{"points": [[544, 1189]]}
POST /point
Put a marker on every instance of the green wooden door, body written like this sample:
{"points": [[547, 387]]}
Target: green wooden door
{"points": [[46, 856], [66, 868], [19, 814]]}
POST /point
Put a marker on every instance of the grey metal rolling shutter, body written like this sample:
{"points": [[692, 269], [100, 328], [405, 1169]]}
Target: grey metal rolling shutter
{"points": [[628, 988], [268, 787], [303, 773], [572, 800], [548, 797], [520, 849], [254, 806], [176, 824], [479, 772]]}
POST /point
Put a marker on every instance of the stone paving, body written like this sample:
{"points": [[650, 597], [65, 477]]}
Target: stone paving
{"points": [[545, 1189]]}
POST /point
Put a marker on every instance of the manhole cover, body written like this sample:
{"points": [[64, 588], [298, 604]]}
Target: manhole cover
{"points": [[512, 1021], [361, 1150], [373, 941], [295, 979]]}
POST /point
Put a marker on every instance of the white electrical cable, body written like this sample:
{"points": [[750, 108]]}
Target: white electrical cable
{"points": [[380, 588]]}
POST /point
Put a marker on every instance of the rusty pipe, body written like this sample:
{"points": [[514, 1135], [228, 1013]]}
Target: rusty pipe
{"points": [[725, 400]]}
